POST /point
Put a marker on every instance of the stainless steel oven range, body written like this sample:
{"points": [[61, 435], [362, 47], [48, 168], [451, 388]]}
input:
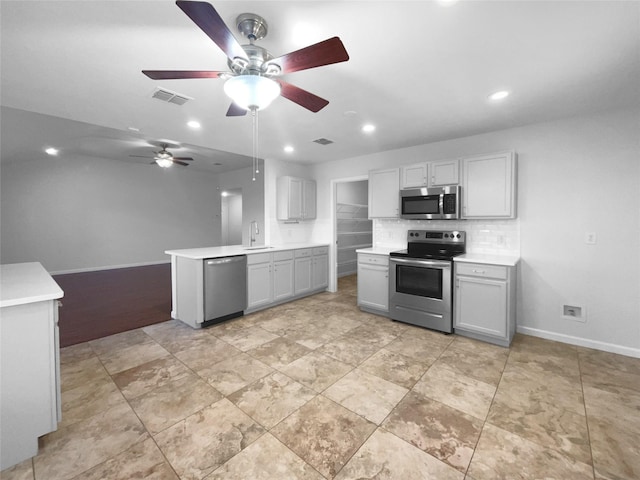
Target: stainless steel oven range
{"points": [[420, 278]]}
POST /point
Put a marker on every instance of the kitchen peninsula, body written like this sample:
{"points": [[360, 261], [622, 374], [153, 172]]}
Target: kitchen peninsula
{"points": [[273, 275], [30, 402]]}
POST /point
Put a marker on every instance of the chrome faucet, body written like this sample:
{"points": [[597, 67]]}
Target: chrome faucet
{"points": [[253, 230]]}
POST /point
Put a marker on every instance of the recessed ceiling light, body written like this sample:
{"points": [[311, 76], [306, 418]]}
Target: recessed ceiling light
{"points": [[288, 149], [499, 95], [224, 194], [194, 124], [51, 151], [368, 128]]}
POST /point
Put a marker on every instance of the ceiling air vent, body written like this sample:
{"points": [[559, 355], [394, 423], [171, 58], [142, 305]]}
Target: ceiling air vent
{"points": [[171, 97], [323, 141]]}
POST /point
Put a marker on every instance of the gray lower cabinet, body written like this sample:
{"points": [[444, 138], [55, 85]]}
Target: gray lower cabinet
{"points": [[282, 276], [320, 268], [259, 280], [373, 283], [278, 277], [485, 302], [303, 264]]}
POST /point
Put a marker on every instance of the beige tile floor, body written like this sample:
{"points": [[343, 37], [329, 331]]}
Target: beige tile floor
{"points": [[316, 389]]}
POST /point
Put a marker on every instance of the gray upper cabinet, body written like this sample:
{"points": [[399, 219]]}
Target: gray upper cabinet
{"points": [[430, 174], [296, 198], [489, 186], [414, 176], [444, 173], [384, 193]]}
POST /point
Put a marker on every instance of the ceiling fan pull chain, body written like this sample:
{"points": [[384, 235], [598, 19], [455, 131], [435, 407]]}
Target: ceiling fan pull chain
{"points": [[254, 124], [257, 137]]}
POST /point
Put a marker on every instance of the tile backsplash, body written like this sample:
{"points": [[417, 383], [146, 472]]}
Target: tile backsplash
{"points": [[483, 236]]}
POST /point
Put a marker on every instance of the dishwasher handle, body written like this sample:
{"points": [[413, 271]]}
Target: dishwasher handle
{"points": [[225, 260]]}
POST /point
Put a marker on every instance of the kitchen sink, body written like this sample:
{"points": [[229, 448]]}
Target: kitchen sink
{"points": [[257, 248]]}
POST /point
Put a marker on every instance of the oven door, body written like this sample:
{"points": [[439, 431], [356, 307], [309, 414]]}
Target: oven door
{"points": [[420, 292]]}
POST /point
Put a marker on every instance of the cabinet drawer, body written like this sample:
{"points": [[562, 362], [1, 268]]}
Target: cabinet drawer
{"points": [[286, 255], [304, 252], [373, 259], [321, 250], [481, 270], [258, 258]]}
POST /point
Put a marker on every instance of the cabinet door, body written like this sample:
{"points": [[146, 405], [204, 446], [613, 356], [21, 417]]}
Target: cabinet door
{"points": [[444, 173], [489, 186], [481, 306], [302, 275], [373, 287], [289, 198], [309, 199], [384, 193], [282, 280], [258, 285], [320, 271], [295, 198], [415, 175]]}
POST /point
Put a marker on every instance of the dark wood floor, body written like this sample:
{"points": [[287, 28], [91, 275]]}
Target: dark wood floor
{"points": [[101, 303]]}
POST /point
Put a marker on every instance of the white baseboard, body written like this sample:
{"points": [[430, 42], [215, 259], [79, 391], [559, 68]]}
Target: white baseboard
{"points": [[581, 342]]}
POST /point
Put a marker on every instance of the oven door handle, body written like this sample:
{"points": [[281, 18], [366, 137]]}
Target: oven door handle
{"points": [[422, 263]]}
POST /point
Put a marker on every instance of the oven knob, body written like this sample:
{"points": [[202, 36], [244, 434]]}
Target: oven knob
{"points": [[446, 235], [458, 236]]}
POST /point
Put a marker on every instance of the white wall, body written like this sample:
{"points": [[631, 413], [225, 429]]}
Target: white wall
{"points": [[280, 232], [576, 175], [88, 213]]}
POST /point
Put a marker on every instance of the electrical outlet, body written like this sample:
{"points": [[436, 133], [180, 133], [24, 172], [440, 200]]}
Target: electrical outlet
{"points": [[574, 312], [590, 238]]}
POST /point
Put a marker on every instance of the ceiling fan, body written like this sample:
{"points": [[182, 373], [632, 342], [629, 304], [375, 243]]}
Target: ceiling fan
{"points": [[164, 158], [253, 69]]}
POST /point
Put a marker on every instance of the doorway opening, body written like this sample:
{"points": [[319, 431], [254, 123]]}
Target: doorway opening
{"points": [[231, 216], [353, 230]]}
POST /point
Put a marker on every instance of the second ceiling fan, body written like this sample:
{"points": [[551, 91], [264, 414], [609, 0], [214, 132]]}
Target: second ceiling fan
{"points": [[253, 68]]}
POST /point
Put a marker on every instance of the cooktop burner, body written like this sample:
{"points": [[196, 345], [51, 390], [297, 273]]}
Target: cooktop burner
{"points": [[433, 244]]}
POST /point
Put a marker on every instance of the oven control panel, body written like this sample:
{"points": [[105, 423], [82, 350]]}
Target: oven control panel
{"points": [[436, 236]]}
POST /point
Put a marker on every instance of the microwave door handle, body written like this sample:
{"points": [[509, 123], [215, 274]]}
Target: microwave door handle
{"points": [[441, 203], [423, 263]]}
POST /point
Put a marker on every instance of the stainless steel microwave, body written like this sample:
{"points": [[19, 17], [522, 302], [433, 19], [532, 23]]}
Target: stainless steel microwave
{"points": [[435, 203]]}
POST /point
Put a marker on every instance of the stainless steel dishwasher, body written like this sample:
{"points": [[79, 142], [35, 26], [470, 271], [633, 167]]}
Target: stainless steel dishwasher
{"points": [[225, 288]]}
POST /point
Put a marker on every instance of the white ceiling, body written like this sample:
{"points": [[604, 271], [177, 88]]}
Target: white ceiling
{"points": [[418, 70]]}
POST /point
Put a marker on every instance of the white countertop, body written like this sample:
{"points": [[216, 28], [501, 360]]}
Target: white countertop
{"points": [[490, 259], [378, 250], [230, 250], [23, 283]]}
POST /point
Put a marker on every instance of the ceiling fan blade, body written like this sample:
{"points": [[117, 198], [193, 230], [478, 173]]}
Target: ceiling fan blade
{"points": [[180, 74], [181, 163], [183, 158], [323, 53], [235, 111], [303, 98], [205, 16], [140, 156]]}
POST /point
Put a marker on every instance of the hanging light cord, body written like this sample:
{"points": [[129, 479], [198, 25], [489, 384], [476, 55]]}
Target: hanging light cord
{"points": [[254, 116]]}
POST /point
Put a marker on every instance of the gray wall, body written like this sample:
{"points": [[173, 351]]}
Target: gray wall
{"points": [[84, 213]]}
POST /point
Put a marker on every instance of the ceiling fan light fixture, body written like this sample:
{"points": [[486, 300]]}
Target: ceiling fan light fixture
{"points": [[164, 162], [252, 91]]}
